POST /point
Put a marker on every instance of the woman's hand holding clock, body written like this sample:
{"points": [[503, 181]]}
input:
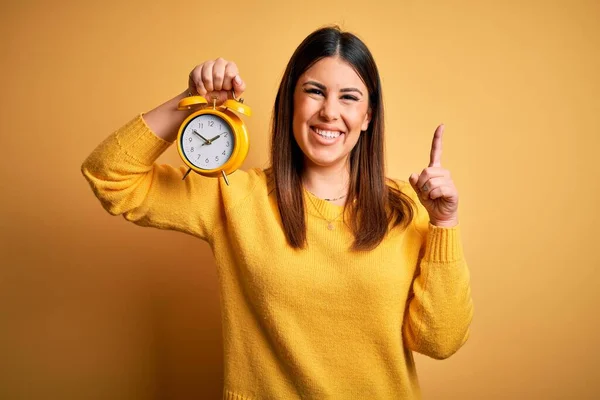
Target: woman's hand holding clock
{"points": [[215, 80]]}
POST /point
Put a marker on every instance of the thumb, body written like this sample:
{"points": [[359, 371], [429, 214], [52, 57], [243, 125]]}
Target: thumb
{"points": [[239, 86], [413, 179]]}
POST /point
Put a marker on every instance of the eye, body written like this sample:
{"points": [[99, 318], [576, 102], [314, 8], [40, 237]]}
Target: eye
{"points": [[349, 97], [318, 92]]}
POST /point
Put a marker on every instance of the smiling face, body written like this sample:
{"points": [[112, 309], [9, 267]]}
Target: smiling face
{"points": [[331, 108]]}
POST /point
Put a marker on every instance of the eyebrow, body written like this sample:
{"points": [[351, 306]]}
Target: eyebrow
{"points": [[324, 88]]}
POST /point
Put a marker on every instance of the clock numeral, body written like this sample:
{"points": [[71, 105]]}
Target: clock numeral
{"points": [[211, 123], [192, 149], [199, 155], [223, 152], [217, 158], [206, 161], [225, 134], [201, 125], [227, 144]]}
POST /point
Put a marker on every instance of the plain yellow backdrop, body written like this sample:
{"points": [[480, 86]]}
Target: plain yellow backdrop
{"points": [[93, 307]]}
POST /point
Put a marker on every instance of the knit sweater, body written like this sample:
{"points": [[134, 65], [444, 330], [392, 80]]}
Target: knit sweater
{"points": [[322, 322]]}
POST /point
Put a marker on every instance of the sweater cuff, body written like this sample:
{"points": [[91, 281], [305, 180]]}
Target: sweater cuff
{"points": [[443, 244], [139, 142]]}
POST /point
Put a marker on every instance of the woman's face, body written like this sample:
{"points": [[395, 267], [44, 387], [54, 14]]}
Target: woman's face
{"points": [[331, 108]]}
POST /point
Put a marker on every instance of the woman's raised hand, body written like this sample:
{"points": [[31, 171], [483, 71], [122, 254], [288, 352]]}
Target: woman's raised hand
{"points": [[435, 187], [216, 79]]}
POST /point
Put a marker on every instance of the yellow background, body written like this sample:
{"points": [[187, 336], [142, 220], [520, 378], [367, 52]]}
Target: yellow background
{"points": [[93, 307]]}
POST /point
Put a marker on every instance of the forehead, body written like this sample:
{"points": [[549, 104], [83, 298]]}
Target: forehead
{"points": [[334, 73]]}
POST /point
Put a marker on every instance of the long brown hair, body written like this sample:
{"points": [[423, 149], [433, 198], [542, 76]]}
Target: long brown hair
{"points": [[374, 204]]}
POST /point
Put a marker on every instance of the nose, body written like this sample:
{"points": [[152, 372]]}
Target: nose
{"points": [[330, 109]]}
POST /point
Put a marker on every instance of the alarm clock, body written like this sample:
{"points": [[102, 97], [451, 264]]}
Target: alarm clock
{"points": [[213, 141]]}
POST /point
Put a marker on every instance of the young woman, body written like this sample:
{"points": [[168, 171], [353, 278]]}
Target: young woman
{"points": [[331, 275]]}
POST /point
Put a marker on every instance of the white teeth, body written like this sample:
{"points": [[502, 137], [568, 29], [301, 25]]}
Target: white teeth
{"points": [[328, 134]]}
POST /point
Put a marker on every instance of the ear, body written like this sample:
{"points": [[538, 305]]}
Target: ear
{"points": [[367, 120]]}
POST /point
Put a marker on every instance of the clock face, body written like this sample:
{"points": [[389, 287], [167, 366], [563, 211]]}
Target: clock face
{"points": [[207, 141]]}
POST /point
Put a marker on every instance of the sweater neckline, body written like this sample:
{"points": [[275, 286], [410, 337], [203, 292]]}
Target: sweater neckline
{"points": [[322, 209]]}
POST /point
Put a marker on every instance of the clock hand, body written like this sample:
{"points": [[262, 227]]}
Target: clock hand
{"points": [[218, 136], [202, 137]]}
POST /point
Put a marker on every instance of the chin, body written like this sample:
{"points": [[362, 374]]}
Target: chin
{"points": [[325, 160]]}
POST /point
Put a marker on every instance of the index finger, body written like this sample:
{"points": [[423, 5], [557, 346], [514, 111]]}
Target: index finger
{"points": [[435, 157]]}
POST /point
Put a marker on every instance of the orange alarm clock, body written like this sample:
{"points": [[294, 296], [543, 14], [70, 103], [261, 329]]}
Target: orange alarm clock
{"points": [[213, 141]]}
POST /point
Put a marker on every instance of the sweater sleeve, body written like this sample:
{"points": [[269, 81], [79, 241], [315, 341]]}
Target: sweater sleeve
{"points": [[125, 178], [439, 307]]}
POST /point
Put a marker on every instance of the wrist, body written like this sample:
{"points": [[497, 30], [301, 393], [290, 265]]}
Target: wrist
{"points": [[449, 223], [165, 119]]}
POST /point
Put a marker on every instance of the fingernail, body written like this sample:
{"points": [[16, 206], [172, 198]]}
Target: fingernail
{"points": [[237, 79]]}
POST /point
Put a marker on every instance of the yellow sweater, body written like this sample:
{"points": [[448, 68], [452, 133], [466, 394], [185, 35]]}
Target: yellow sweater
{"points": [[317, 323]]}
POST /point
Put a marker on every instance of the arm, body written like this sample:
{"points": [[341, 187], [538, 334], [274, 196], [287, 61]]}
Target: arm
{"points": [[440, 309], [164, 120], [124, 176]]}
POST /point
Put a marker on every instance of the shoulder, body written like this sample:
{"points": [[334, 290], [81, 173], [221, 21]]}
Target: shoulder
{"points": [[250, 177], [243, 184]]}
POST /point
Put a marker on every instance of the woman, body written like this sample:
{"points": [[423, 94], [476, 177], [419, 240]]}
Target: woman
{"points": [[330, 274]]}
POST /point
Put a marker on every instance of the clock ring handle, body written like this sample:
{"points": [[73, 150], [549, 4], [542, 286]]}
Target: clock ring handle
{"points": [[240, 100]]}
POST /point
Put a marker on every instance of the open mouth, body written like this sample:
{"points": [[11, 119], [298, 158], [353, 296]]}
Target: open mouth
{"points": [[331, 135]]}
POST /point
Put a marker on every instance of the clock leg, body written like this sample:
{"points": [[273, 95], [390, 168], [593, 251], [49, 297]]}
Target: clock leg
{"points": [[186, 174], [225, 177]]}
